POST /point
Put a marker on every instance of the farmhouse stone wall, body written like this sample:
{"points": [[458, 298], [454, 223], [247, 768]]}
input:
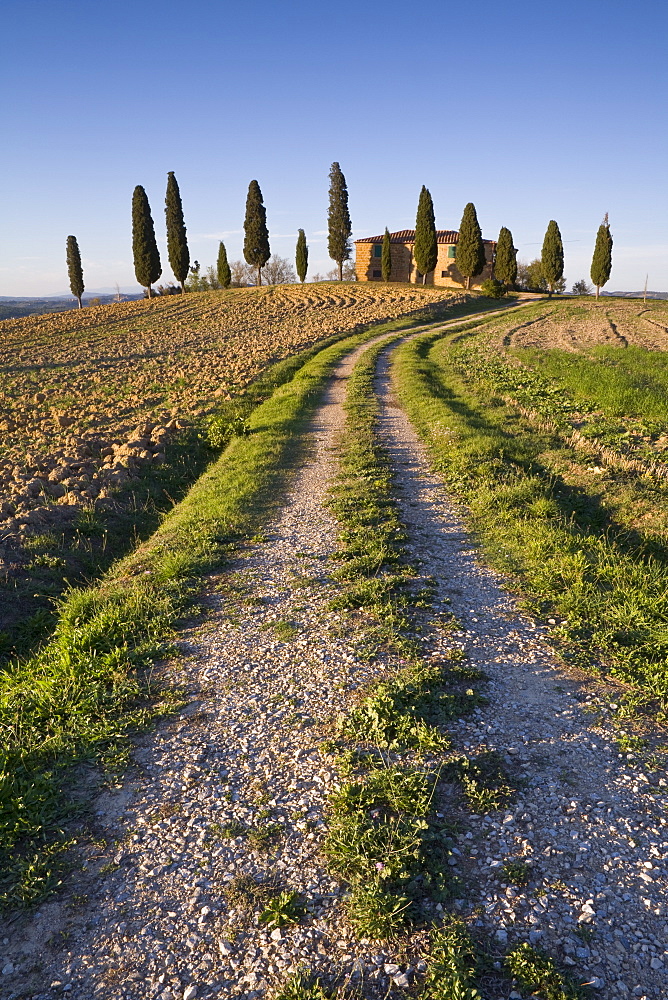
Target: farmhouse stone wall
{"points": [[368, 263]]}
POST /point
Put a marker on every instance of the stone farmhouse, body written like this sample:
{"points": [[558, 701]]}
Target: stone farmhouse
{"points": [[368, 254]]}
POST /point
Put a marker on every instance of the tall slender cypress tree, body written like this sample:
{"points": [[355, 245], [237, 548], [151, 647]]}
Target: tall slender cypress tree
{"points": [[505, 264], [601, 264], [222, 267], [256, 239], [425, 249], [301, 256], [144, 248], [177, 244], [386, 257], [552, 256], [470, 248], [339, 226], [74, 269]]}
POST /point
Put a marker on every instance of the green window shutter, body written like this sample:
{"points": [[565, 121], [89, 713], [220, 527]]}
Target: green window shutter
{"points": [[452, 252], [378, 249]]}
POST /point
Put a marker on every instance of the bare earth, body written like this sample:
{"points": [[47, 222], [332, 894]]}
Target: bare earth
{"points": [[153, 914], [581, 325]]}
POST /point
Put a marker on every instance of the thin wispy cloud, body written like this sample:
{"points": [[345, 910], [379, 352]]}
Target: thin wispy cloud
{"points": [[216, 236]]}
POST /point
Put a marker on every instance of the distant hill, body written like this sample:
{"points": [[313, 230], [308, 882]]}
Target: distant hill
{"points": [[14, 308], [638, 295]]}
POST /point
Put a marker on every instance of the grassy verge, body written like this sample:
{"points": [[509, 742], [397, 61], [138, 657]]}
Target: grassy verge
{"points": [[75, 700], [610, 596]]}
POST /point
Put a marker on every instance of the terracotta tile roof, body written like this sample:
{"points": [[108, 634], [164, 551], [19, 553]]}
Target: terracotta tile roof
{"points": [[408, 236]]}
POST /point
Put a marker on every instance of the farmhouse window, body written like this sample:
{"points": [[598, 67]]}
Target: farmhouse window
{"points": [[376, 274], [444, 274], [452, 252], [377, 250]]}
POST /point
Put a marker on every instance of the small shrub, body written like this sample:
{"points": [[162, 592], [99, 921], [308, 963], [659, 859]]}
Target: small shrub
{"points": [[222, 428], [300, 986], [261, 838], [227, 831], [539, 974], [286, 908], [484, 782], [452, 964], [244, 893], [493, 288], [516, 872]]}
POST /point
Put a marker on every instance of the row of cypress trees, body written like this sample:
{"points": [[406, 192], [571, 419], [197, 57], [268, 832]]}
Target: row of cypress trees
{"points": [[339, 228], [471, 250], [145, 253], [257, 251], [552, 256], [256, 247]]}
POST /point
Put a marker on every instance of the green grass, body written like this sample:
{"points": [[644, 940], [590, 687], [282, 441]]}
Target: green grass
{"points": [[622, 381], [610, 597], [452, 963], [539, 974], [382, 844], [286, 908], [302, 986], [373, 571], [410, 710]]}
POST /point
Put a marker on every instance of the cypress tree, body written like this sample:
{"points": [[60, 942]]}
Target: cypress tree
{"points": [[505, 264], [470, 248], [552, 256], [301, 256], [256, 239], [74, 269], [144, 248], [177, 244], [386, 257], [425, 249], [601, 264], [339, 226], [222, 267]]}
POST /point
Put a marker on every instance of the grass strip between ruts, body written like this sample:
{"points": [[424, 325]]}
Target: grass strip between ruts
{"points": [[613, 603], [383, 840], [77, 698]]}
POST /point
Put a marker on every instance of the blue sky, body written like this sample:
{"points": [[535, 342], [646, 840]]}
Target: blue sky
{"points": [[532, 111]]}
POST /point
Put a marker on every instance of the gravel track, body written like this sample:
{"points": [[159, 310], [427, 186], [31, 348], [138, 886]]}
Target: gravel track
{"points": [[155, 915]]}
